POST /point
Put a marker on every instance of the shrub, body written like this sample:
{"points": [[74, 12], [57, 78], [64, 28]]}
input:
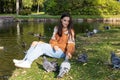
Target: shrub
{"points": [[25, 12]]}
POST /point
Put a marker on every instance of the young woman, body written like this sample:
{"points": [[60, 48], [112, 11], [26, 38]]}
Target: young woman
{"points": [[62, 43]]}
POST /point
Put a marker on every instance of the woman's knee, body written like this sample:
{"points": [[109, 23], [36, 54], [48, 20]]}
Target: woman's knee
{"points": [[41, 42], [34, 43]]}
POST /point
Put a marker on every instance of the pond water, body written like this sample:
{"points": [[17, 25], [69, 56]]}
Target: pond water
{"points": [[15, 38]]}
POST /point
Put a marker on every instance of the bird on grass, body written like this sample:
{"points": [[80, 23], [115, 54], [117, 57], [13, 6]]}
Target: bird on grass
{"points": [[55, 64], [83, 58], [89, 33], [107, 27], [49, 66], [115, 60], [23, 44], [64, 67], [95, 31]]}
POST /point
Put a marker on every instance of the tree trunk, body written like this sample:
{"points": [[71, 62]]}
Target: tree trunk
{"points": [[17, 7], [38, 7]]}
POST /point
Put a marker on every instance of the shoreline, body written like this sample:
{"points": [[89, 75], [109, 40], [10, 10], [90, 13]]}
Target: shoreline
{"points": [[4, 19]]}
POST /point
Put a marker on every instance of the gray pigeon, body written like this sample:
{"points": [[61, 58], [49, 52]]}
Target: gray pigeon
{"points": [[89, 33], [107, 27], [55, 64], [83, 58], [115, 60], [48, 66], [64, 67]]}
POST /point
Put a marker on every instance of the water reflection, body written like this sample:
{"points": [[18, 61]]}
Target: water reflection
{"points": [[12, 35]]}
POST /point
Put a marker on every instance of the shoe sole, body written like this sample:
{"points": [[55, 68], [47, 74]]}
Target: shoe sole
{"points": [[15, 61], [21, 66]]}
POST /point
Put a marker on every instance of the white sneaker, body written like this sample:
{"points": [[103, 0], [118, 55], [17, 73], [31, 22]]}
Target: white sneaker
{"points": [[24, 64], [17, 61]]}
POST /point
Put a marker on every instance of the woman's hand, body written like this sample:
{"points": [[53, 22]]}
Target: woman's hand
{"points": [[69, 55], [56, 48]]}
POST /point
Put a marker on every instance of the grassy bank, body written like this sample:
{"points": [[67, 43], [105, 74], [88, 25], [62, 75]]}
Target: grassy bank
{"points": [[73, 16], [97, 47], [57, 16]]}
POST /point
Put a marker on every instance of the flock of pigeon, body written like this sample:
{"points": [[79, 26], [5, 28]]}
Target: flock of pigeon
{"points": [[91, 33], [65, 66], [115, 60], [53, 66]]}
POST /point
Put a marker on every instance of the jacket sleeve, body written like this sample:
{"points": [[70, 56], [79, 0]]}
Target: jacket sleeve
{"points": [[53, 40], [71, 44]]}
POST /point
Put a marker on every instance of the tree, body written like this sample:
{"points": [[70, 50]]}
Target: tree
{"points": [[39, 4], [27, 3], [17, 7]]}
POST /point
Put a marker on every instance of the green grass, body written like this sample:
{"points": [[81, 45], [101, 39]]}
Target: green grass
{"points": [[98, 49]]}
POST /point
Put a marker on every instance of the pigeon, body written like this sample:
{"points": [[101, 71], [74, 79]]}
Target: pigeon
{"points": [[55, 64], [95, 31], [115, 60], [107, 27], [64, 67], [49, 66], [23, 44], [83, 58], [89, 33]]}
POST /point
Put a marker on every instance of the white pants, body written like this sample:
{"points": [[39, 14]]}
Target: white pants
{"points": [[42, 49]]}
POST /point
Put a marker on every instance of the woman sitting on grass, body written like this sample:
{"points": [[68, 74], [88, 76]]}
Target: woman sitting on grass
{"points": [[62, 43]]}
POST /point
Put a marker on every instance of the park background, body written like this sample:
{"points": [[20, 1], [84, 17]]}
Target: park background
{"points": [[98, 47]]}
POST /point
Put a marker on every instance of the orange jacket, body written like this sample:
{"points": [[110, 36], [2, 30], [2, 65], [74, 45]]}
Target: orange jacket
{"points": [[67, 44]]}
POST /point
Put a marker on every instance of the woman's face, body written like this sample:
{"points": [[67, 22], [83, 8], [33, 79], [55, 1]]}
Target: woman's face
{"points": [[65, 21]]}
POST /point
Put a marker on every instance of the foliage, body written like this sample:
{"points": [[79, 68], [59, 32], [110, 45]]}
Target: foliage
{"points": [[50, 6], [83, 7], [27, 3], [25, 11], [37, 5], [56, 7], [7, 6]]}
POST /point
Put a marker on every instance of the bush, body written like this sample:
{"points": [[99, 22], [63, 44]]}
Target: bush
{"points": [[25, 12]]}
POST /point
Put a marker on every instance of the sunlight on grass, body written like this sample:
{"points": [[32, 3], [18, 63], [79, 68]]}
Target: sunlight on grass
{"points": [[36, 13]]}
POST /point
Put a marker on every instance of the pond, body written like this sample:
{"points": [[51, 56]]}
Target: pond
{"points": [[15, 39]]}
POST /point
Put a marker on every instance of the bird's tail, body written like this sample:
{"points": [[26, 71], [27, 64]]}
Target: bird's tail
{"points": [[66, 58], [61, 73], [44, 58]]}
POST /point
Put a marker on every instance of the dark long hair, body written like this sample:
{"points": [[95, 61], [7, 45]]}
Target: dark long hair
{"points": [[60, 26]]}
